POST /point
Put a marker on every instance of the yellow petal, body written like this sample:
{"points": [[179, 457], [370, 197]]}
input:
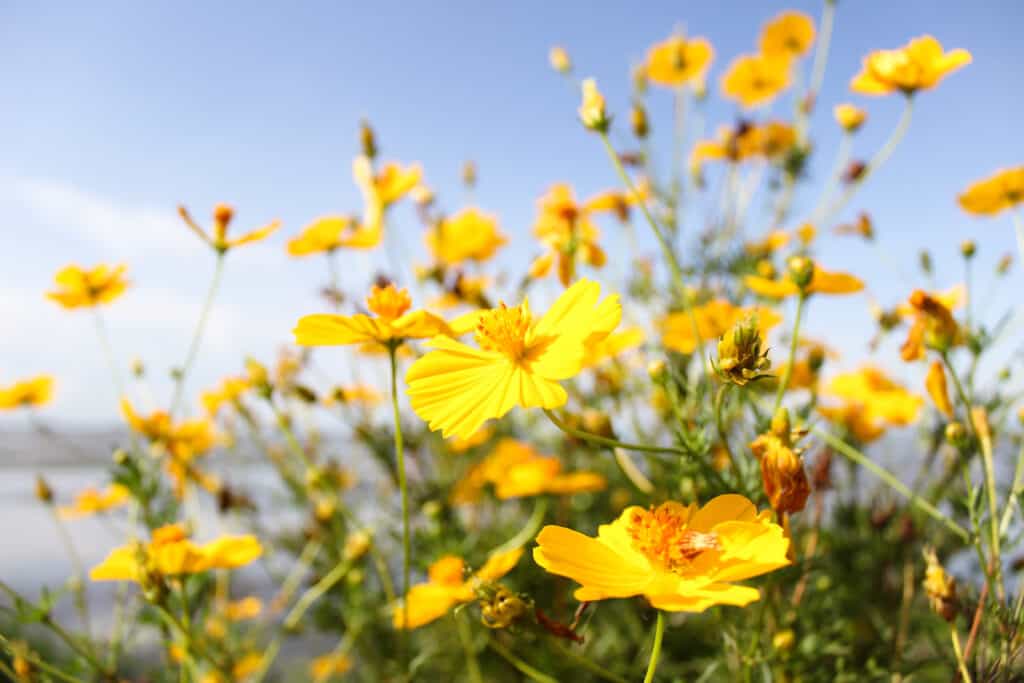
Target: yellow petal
{"points": [[324, 329]]}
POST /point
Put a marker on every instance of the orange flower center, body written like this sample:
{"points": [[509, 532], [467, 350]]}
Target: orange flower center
{"points": [[504, 329], [388, 302], [662, 535]]}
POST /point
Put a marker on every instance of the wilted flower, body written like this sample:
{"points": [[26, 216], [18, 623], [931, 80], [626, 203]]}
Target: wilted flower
{"points": [[741, 358], [934, 326], [935, 383], [81, 288], [782, 469], [918, 65]]}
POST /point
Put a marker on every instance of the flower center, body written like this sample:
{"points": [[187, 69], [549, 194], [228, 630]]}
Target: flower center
{"points": [[504, 329], [388, 302], [662, 535]]}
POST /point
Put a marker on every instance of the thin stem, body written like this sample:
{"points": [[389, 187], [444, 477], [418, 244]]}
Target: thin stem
{"points": [[466, 637], [859, 458], [590, 666], [108, 352], [523, 668], [659, 631], [529, 530], [679, 111], [788, 372], [1015, 489], [960, 663], [80, 596], [610, 443], [842, 160], [821, 52], [316, 591], [197, 336], [1018, 227], [720, 423], [39, 663], [404, 489]]}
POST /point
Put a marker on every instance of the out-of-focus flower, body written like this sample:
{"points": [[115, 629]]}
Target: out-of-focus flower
{"points": [[822, 282], [592, 109], [448, 586], [559, 59], [477, 438], [230, 390], [873, 401], [714, 319], [392, 322], [850, 117], [934, 326], [171, 553], [939, 587], [678, 60], [517, 470], [863, 227], [325, 666], [244, 609], [90, 501], [181, 441], [29, 393], [218, 237], [1002, 190], [680, 557], [469, 235], [806, 233], [520, 360], [918, 65], [80, 287], [354, 394], [755, 80], [611, 346], [382, 187], [328, 233], [788, 35], [935, 383], [782, 469], [772, 140]]}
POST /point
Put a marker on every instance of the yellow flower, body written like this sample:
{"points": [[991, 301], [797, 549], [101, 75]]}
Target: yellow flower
{"points": [[391, 322], [806, 233], [678, 60], [242, 610], [80, 288], [182, 441], [227, 392], [850, 117], [386, 186], [559, 59], [613, 345], [934, 325], [592, 107], [469, 235], [29, 393], [520, 360], [872, 402], [328, 233], [679, 557], [325, 666], [242, 669], [935, 384], [918, 65], [1002, 190], [516, 470], [477, 438], [90, 501], [788, 35], [822, 282], [714, 319], [218, 239], [171, 553], [448, 586], [771, 140], [754, 80], [353, 394], [939, 587]]}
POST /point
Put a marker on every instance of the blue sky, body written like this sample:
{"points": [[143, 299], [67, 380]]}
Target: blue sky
{"points": [[114, 112]]}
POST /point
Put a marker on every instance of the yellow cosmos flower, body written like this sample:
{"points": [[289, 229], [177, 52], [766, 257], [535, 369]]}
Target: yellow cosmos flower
{"points": [[678, 60], [850, 117], [448, 586], [681, 558], [755, 80], [477, 438], [171, 553], [872, 402], [822, 282], [934, 325], [771, 140], [935, 383], [469, 235], [517, 470], [328, 233], [29, 393], [392, 323], [242, 610], [354, 394], [218, 238], [90, 501], [181, 441], [714, 319], [83, 288], [519, 362], [788, 35], [388, 184], [325, 666], [1002, 190], [918, 65], [230, 390]]}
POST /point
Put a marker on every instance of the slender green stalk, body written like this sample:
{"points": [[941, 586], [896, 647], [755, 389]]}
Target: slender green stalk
{"points": [[659, 631], [332, 270], [590, 666], [404, 489], [1018, 228], [316, 591], [1015, 489], [529, 530], [40, 664], [821, 51], [679, 141], [611, 443], [466, 637], [108, 351], [842, 160], [859, 458], [81, 599], [959, 653], [523, 668], [788, 372], [197, 336], [720, 423]]}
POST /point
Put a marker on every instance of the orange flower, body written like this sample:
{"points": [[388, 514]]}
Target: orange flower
{"points": [[934, 327], [222, 215], [918, 65], [80, 288], [678, 60], [1002, 190]]}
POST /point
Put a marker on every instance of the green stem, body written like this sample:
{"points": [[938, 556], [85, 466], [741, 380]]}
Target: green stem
{"points": [[81, 598], [197, 336], [404, 489], [589, 665], [959, 653], [859, 458], [528, 531], [39, 663], [841, 162], [1015, 489], [821, 52], [659, 631], [466, 636], [315, 592], [523, 668], [610, 443], [108, 352], [788, 372], [720, 423]]}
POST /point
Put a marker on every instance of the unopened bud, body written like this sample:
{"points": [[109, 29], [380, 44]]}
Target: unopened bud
{"points": [[638, 121], [741, 357], [469, 175], [592, 110], [559, 60], [968, 248], [801, 271], [367, 140], [956, 434], [657, 371], [43, 491]]}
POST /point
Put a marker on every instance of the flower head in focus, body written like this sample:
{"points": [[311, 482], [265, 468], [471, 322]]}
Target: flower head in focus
{"points": [[1002, 190], [918, 65], [218, 237], [678, 60], [88, 287], [29, 393], [789, 35]]}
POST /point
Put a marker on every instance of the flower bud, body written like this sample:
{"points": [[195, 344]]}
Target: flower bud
{"points": [[939, 587], [44, 493], [784, 640], [469, 174], [968, 248], [592, 108], [801, 271], [222, 215], [138, 368], [741, 357], [367, 140], [1003, 267], [560, 60], [956, 434], [501, 608], [657, 370], [638, 121], [850, 117], [925, 261], [356, 545]]}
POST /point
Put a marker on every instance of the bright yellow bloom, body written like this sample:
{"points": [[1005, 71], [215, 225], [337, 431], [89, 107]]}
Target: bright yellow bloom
{"points": [[850, 117], [939, 587], [678, 60], [182, 442], [325, 666], [328, 233], [80, 288], [386, 186], [391, 322], [714, 319], [788, 35], [559, 59], [448, 586], [171, 553], [823, 282], [872, 401], [29, 393], [519, 362], [918, 65], [592, 107], [517, 470], [754, 80], [90, 501], [679, 557], [771, 140], [469, 235], [1002, 190], [935, 383], [218, 238]]}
